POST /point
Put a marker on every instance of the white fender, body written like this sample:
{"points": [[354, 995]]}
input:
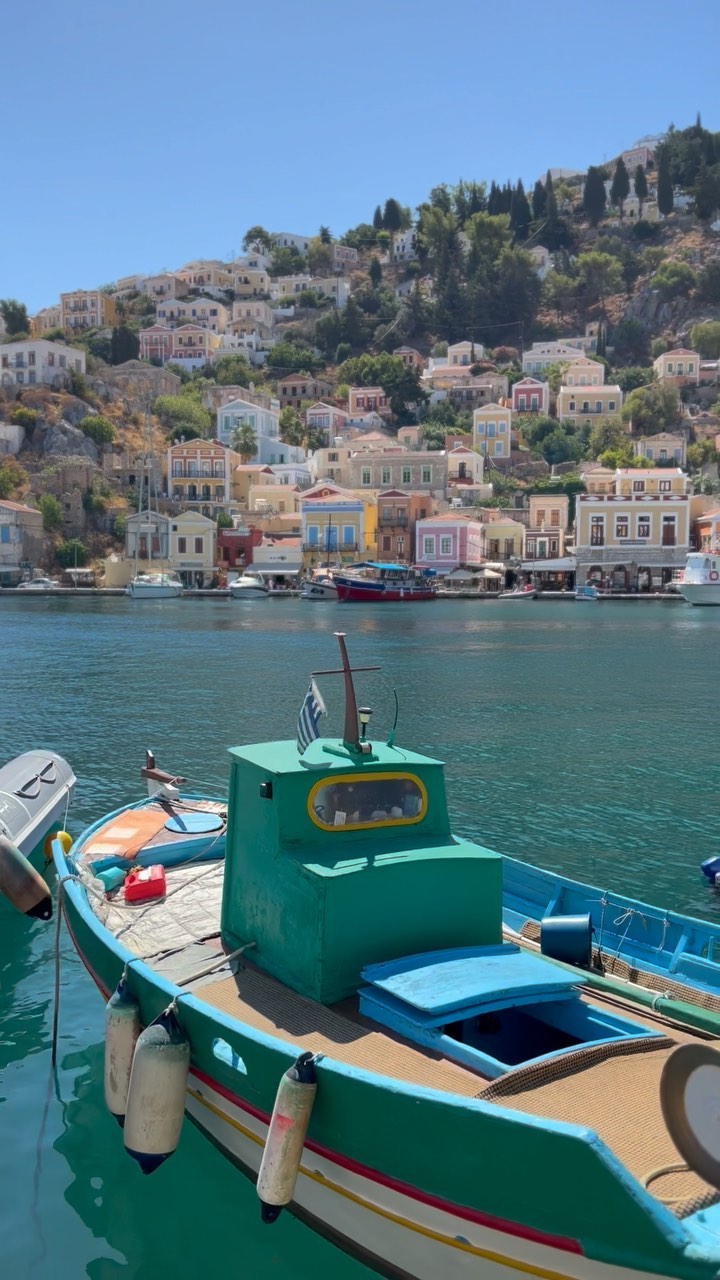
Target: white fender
{"points": [[22, 884], [122, 1029], [281, 1158], [156, 1097]]}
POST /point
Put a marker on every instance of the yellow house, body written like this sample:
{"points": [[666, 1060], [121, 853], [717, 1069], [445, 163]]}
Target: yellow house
{"points": [[87, 309], [338, 525], [632, 533], [48, 318], [282, 498], [582, 405], [492, 426], [502, 538], [246, 476], [193, 548], [584, 372], [251, 283]]}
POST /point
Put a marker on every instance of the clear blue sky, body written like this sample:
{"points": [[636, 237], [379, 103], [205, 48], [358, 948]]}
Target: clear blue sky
{"points": [[144, 133]]}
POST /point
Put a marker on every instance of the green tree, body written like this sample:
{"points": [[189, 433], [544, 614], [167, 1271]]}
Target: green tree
{"points": [[604, 435], [245, 441], [539, 200], [287, 262], [292, 426], [594, 199], [700, 454], [630, 341], [401, 385], [25, 417], [224, 521], [559, 291], [257, 235], [15, 315], [674, 280], [99, 429], [705, 338], [184, 415], [71, 553], [318, 255], [378, 219], [709, 282], [361, 236], [232, 371], [375, 272], [641, 188], [13, 478], [343, 352], [52, 512], [620, 188], [650, 409], [325, 235], [665, 194], [554, 375], [292, 357], [706, 192], [124, 345], [634, 376], [520, 214], [599, 274], [392, 216]]}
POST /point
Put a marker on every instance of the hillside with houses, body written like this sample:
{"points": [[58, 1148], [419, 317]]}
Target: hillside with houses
{"points": [[502, 380]]}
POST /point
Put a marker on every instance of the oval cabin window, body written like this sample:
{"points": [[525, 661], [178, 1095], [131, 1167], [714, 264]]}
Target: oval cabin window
{"points": [[376, 800]]}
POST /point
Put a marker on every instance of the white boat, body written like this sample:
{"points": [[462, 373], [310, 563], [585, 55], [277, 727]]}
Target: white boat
{"points": [[154, 586], [701, 580], [249, 586], [35, 792], [320, 587], [528, 592]]}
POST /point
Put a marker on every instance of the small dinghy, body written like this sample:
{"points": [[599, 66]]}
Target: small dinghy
{"points": [[35, 792]]}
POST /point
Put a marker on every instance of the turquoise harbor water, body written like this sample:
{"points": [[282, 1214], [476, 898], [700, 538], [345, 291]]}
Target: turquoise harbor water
{"points": [[580, 736]]}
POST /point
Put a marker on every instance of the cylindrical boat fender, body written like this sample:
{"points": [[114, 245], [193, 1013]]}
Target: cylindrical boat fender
{"points": [[22, 884], [156, 1097], [65, 843], [281, 1158], [122, 1029]]}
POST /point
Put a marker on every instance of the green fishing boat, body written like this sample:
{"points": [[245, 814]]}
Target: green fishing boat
{"points": [[335, 1006]]}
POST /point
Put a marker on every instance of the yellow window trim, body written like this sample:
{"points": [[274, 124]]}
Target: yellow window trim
{"points": [[355, 779]]}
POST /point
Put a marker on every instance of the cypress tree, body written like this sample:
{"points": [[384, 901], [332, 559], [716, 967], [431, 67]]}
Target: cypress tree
{"points": [[664, 183], [492, 205], [641, 187], [620, 189], [392, 216], [378, 219], [539, 201], [594, 195], [520, 212]]}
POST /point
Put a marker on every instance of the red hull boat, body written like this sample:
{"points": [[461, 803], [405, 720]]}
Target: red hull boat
{"points": [[383, 583]]}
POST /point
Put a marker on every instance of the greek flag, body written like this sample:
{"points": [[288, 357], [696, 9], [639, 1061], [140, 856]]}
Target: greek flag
{"points": [[312, 709]]}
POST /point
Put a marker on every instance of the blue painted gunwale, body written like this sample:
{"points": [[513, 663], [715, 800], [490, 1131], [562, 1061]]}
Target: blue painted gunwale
{"points": [[352, 1105], [661, 942]]}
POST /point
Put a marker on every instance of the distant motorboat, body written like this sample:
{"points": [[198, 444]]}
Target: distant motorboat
{"points": [[320, 587], [378, 582], [35, 792], [588, 592], [154, 586], [528, 592], [249, 586], [701, 580]]}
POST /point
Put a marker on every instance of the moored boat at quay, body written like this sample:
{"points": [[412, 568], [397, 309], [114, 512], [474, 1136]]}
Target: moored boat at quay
{"points": [[390, 1068], [378, 582], [700, 583]]}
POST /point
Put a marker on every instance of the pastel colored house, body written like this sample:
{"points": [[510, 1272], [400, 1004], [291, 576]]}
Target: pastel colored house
{"points": [[333, 526], [492, 426], [342, 257], [21, 541], [296, 388], [364, 400], [544, 540], [632, 530], [584, 372], [468, 393], [266, 425], [543, 354], [163, 286], [502, 539], [206, 277], [249, 477], [530, 395], [448, 542], [290, 240], [464, 354], [424, 471], [39, 362], [330, 418], [156, 343], [583, 405], [42, 321], [192, 345], [332, 463], [207, 312], [679, 367], [283, 499], [200, 475], [251, 282], [665, 447], [706, 530], [193, 548], [398, 513], [410, 357], [86, 309]]}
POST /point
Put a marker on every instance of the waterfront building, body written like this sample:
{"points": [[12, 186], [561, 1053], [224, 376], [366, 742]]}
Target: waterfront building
{"points": [[334, 527], [398, 514], [632, 527], [21, 541], [200, 475], [421, 470], [193, 550], [449, 541]]}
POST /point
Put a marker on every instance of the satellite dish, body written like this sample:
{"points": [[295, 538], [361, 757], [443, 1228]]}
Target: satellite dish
{"points": [[690, 1101]]}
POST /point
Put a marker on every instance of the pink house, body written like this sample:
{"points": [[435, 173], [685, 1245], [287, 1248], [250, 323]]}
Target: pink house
{"points": [[362, 400], [530, 395], [448, 541], [156, 343]]}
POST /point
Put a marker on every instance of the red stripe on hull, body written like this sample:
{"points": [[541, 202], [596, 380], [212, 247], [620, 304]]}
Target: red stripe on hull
{"points": [[377, 594]]}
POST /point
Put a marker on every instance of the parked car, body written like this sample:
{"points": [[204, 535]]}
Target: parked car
{"points": [[38, 584]]}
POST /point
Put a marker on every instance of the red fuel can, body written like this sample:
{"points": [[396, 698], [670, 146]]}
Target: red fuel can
{"points": [[145, 883]]}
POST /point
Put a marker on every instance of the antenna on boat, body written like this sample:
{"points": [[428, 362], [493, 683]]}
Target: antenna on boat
{"points": [[391, 736], [351, 735]]}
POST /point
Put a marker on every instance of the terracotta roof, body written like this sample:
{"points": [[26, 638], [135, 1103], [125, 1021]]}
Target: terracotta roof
{"points": [[18, 506], [254, 466]]}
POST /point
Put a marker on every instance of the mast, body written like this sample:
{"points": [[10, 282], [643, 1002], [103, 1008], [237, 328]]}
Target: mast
{"points": [[351, 734]]}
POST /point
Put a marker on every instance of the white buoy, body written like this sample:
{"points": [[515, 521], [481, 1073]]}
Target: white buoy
{"points": [[22, 884], [281, 1158], [156, 1097], [122, 1029]]}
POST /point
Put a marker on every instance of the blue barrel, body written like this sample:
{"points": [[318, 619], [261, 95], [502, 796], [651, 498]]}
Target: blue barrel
{"points": [[567, 938], [710, 868]]}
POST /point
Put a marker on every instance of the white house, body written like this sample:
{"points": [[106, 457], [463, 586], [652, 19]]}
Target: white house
{"points": [[289, 240], [266, 425], [542, 354], [39, 362]]}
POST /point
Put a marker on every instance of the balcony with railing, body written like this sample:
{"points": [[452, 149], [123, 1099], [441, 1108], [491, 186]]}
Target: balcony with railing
{"points": [[334, 549], [392, 520]]}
